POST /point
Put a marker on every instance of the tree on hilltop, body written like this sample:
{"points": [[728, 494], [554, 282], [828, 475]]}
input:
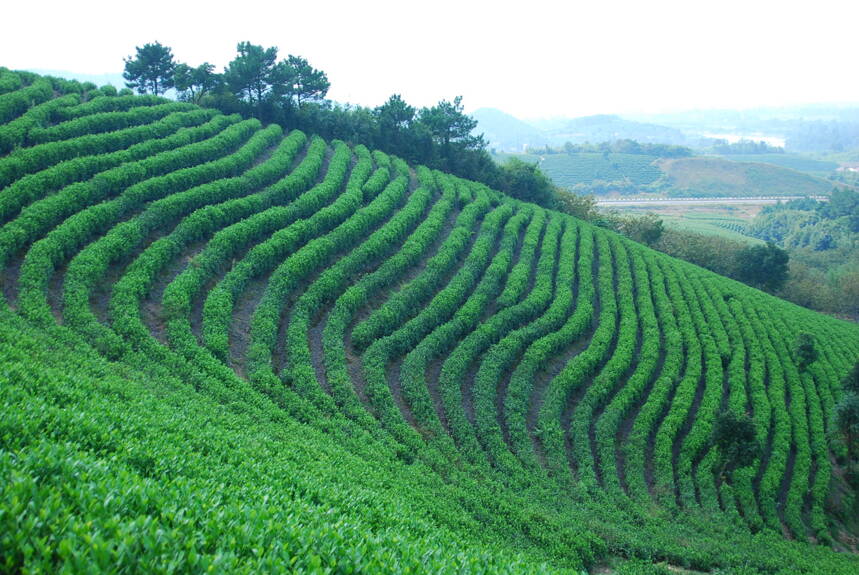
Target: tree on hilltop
{"points": [[151, 70], [449, 124], [394, 119], [451, 130], [270, 86], [194, 83], [395, 113], [305, 83], [254, 74]]}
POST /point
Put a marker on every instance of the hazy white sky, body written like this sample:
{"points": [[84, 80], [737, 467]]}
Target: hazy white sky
{"points": [[533, 58]]}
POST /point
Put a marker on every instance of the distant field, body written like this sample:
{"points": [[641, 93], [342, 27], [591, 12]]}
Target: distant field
{"points": [[726, 221], [731, 228], [689, 177], [567, 170], [718, 177], [796, 162]]}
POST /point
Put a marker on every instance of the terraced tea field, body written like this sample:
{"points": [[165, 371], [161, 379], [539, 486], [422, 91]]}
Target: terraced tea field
{"points": [[797, 162], [511, 389], [567, 170], [713, 176]]}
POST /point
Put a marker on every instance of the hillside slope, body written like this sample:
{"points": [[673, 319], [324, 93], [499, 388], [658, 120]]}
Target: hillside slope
{"points": [[709, 176], [800, 163], [702, 176], [229, 347], [568, 170]]}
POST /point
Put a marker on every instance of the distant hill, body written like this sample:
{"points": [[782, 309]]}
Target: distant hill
{"points": [[606, 128], [611, 173], [811, 128], [820, 130], [796, 162], [753, 119], [567, 170], [506, 132], [719, 177]]}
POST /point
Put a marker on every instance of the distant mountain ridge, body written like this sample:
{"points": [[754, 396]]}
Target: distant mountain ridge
{"points": [[610, 127], [807, 129], [507, 133]]}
